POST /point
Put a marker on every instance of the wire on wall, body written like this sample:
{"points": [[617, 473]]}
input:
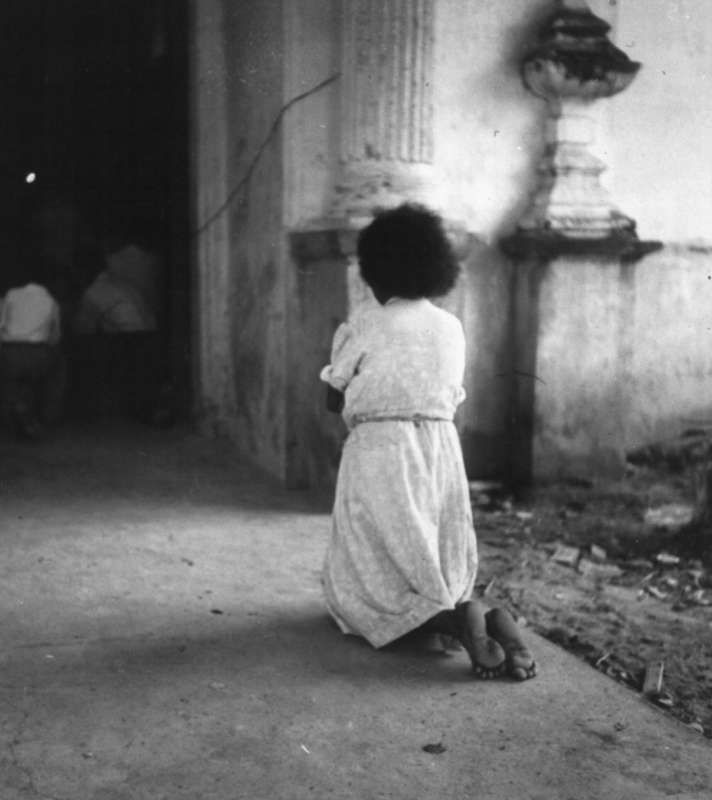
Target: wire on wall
{"points": [[223, 207]]}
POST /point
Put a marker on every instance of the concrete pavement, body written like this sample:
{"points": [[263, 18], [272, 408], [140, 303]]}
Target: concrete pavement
{"points": [[163, 636]]}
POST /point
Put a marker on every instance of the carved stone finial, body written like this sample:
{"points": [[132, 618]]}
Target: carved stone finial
{"points": [[575, 59], [572, 65]]}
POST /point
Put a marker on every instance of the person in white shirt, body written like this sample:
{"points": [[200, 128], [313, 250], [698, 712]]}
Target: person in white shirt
{"points": [[32, 366], [30, 314], [122, 297]]}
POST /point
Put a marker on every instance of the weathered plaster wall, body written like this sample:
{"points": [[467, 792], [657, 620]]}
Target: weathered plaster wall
{"points": [[320, 303], [578, 330], [659, 132], [622, 355], [212, 363], [311, 124], [488, 128], [255, 55], [671, 358], [482, 302], [240, 244]]}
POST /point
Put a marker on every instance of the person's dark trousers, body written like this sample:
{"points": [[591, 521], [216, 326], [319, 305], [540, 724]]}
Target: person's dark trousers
{"points": [[32, 380]]}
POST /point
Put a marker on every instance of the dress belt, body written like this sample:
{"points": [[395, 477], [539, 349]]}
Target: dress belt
{"points": [[358, 419]]}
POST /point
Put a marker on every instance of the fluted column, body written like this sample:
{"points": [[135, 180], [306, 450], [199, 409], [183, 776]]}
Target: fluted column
{"points": [[386, 137]]}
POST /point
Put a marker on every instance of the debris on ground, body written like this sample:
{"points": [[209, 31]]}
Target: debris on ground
{"points": [[489, 495], [691, 448], [671, 517], [598, 570], [653, 679], [436, 749], [597, 553], [663, 699], [586, 569], [655, 592], [667, 559], [569, 556]]}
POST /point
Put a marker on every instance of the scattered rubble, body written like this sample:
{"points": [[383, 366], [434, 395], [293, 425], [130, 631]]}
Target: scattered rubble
{"points": [[597, 553], [667, 559], [653, 679], [569, 556], [435, 749], [691, 448], [489, 495], [671, 517], [595, 571]]}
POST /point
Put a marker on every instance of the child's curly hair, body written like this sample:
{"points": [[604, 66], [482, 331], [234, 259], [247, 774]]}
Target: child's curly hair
{"points": [[404, 252]]}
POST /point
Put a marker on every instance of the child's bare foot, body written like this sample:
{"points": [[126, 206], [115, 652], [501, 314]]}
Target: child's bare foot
{"points": [[487, 656], [466, 624], [501, 626]]}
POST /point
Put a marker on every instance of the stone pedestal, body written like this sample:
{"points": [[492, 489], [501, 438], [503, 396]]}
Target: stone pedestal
{"points": [[573, 253], [572, 66], [572, 344]]}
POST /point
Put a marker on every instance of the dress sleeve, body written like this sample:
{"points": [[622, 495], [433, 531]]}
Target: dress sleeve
{"points": [[346, 354]]}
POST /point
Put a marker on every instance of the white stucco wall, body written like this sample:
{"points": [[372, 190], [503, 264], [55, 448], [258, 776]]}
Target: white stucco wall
{"points": [[310, 125], [660, 130], [487, 126]]}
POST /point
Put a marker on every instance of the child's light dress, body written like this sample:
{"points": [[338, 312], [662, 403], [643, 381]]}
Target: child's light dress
{"points": [[403, 545]]}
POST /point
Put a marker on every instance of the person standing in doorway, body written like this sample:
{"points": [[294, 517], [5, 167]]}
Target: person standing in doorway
{"points": [[32, 366]]}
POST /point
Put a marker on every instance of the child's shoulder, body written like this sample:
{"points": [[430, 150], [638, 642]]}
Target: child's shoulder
{"points": [[365, 317], [445, 318], [371, 317]]}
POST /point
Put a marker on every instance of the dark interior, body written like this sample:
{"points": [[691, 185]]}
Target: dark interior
{"points": [[94, 144]]}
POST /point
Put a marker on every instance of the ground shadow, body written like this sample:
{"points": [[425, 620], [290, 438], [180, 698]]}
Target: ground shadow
{"points": [[113, 460], [306, 649]]}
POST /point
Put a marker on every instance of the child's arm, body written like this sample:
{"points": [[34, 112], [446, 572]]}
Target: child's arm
{"points": [[334, 400], [345, 358]]}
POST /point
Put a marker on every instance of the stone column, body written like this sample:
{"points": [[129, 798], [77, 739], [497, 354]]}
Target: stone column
{"points": [[386, 136], [214, 370]]}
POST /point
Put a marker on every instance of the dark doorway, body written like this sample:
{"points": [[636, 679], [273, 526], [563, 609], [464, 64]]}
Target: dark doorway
{"points": [[94, 145]]}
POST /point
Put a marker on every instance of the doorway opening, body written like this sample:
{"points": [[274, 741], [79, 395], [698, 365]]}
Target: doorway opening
{"points": [[94, 169]]}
